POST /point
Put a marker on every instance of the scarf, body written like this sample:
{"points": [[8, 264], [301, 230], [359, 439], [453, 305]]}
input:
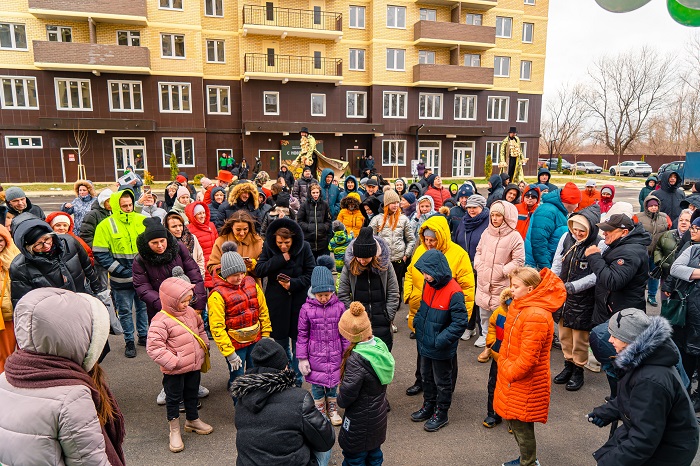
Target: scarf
{"points": [[187, 239], [25, 369]]}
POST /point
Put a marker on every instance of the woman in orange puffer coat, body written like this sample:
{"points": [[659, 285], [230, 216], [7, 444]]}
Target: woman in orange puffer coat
{"points": [[523, 385]]}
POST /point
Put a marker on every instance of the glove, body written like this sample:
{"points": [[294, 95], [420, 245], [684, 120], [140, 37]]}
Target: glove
{"points": [[600, 422], [569, 288], [235, 361], [304, 367]]}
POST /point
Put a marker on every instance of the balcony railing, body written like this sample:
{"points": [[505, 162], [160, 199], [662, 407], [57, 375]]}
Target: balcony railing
{"points": [[293, 65], [292, 18]]}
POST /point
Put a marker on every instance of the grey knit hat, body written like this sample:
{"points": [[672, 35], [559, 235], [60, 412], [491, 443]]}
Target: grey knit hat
{"points": [[231, 261], [627, 324], [322, 280], [476, 200], [14, 193], [178, 272]]}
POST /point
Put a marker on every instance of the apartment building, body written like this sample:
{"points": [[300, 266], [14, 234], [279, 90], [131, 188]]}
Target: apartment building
{"points": [[91, 86]]}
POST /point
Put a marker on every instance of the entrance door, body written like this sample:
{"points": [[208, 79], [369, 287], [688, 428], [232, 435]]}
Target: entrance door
{"points": [[463, 159], [429, 152], [270, 158], [129, 151], [271, 48], [354, 156], [69, 162]]}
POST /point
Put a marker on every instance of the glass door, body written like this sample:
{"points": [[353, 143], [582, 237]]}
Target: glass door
{"points": [[429, 153], [463, 159], [129, 152]]}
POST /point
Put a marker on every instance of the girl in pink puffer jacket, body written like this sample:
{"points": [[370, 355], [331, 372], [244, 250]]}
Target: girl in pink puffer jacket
{"points": [[172, 344]]}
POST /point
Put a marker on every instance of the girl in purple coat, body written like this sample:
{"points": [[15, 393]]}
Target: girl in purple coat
{"points": [[320, 347]]}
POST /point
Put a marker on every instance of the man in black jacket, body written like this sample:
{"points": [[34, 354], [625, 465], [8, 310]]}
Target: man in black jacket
{"points": [[277, 423]]}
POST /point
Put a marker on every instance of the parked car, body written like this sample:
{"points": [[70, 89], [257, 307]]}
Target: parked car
{"points": [[552, 163], [629, 168], [588, 167]]}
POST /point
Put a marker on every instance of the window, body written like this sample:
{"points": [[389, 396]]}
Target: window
{"points": [[394, 153], [426, 58], [493, 150], [13, 36], [396, 17], [59, 34], [215, 51], [525, 70], [23, 142], [474, 19], [172, 45], [317, 14], [472, 59], [357, 17], [465, 107], [269, 11], [523, 148], [428, 14], [130, 38], [523, 107], [317, 59], [271, 103], [125, 96], [497, 108], [395, 59], [528, 32], [214, 8], [318, 104], [219, 100], [73, 94], [430, 106], [357, 60], [175, 97], [529, 2], [501, 66], [18, 93], [504, 26], [171, 4], [183, 148], [356, 104], [395, 104]]}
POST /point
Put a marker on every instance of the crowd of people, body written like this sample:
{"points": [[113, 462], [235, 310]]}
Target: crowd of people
{"points": [[301, 280]]}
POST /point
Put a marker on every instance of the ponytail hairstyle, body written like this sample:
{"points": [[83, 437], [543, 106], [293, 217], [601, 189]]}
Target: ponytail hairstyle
{"points": [[105, 410], [346, 355]]}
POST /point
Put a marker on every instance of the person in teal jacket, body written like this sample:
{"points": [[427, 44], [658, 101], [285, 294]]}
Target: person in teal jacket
{"points": [[649, 187], [330, 191]]}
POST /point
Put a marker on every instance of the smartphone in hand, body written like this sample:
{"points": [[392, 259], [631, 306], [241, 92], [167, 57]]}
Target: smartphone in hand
{"points": [[283, 277]]}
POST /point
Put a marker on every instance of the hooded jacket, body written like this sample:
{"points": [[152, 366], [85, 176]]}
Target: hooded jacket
{"points": [[496, 190], [205, 232], [670, 197], [419, 218], [658, 423], [91, 220], [252, 205], [646, 190], [80, 241], [549, 177], [401, 240], [416, 188], [330, 192], [352, 219], [216, 213], [499, 252], [525, 213], [547, 226], [607, 203], [301, 188], [512, 187], [288, 177], [655, 224], [375, 206], [346, 190], [80, 205], [524, 383], [314, 217]]}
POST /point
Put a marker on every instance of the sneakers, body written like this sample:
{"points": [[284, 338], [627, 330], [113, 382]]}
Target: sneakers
{"points": [[492, 420], [480, 342], [130, 350], [437, 421], [142, 341], [424, 413], [516, 462], [203, 392], [592, 365], [333, 415], [485, 355], [652, 301], [394, 328], [468, 334], [160, 399]]}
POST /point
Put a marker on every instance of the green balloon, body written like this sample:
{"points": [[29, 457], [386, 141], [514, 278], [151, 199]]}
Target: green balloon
{"points": [[682, 14], [621, 6], [695, 4]]}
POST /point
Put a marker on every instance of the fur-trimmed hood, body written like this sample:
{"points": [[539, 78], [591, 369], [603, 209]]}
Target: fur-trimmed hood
{"points": [[87, 184], [291, 225], [254, 388], [382, 253], [653, 346], [250, 188]]}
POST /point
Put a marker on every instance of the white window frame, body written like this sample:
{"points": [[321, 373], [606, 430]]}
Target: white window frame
{"points": [[356, 14], [526, 104], [215, 11], [171, 86], [396, 54], [25, 91], [477, 19], [356, 59], [58, 33], [172, 38], [525, 70], [132, 100], [130, 36], [424, 57], [219, 90], [397, 96], [462, 100], [505, 24], [498, 65], [394, 10], [21, 141], [277, 98], [217, 58], [323, 97], [523, 148], [495, 152], [171, 5], [427, 97], [492, 103], [70, 108], [427, 12], [387, 144], [180, 162], [528, 28], [472, 56], [354, 94], [13, 36]]}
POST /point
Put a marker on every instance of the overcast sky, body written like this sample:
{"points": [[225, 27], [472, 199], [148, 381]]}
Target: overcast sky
{"points": [[580, 31]]}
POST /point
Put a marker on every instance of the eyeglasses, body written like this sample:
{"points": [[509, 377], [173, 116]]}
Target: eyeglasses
{"points": [[43, 242], [531, 196], [694, 228]]}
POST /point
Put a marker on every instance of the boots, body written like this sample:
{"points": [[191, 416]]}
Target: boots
{"points": [[321, 406], [485, 355], [564, 376], [438, 421], [176, 444], [198, 427], [424, 413], [576, 380], [333, 415]]}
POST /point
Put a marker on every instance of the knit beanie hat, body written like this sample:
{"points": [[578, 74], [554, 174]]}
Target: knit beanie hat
{"points": [[429, 233], [696, 222], [198, 208], [154, 229], [570, 194], [390, 197], [231, 261], [410, 197], [181, 179], [14, 193], [60, 218], [178, 272], [579, 222], [498, 208], [338, 226], [268, 353], [430, 179], [465, 190], [181, 191], [542, 187], [652, 202], [476, 200], [606, 190], [205, 182], [365, 246], [282, 200], [103, 196], [327, 262], [354, 324], [627, 324], [322, 280]]}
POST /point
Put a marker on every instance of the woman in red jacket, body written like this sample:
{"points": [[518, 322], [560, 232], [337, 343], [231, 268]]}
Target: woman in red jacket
{"points": [[201, 226]]}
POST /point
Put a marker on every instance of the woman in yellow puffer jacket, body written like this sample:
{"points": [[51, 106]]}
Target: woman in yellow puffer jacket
{"points": [[8, 251]]}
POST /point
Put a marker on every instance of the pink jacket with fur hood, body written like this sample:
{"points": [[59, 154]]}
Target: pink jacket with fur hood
{"points": [[171, 346], [500, 251]]}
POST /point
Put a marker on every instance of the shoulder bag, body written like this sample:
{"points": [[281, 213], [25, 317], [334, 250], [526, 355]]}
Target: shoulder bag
{"points": [[206, 365]]}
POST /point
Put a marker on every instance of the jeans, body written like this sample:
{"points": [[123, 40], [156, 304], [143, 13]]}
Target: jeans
{"points": [[319, 392], [182, 387], [245, 355], [491, 387], [524, 433], [437, 382], [323, 457], [124, 300], [652, 283], [292, 357], [365, 458]]}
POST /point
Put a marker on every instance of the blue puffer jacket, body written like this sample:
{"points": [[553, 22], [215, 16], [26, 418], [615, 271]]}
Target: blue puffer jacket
{"points": [[547, 226], [468, 232], [330, 192]]}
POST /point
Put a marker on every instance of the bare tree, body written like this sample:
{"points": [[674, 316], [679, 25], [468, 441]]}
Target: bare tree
{"points": [[80, 136], [563, 125]]}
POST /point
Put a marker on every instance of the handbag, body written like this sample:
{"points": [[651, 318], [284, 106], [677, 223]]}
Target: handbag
{"points": [[656, 272], [674, 310], [246, 334], [206, 365]]}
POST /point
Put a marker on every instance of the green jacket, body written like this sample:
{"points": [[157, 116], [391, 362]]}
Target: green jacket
{"points": [[665, 251]]}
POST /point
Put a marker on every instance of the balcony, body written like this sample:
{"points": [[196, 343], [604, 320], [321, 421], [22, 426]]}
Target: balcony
{"points": [[283, 22], [104, 11], [437, 34], [476, 5], [453, 76], [78, 56], [287, 68]]}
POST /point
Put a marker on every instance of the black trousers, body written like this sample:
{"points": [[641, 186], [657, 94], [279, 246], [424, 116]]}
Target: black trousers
{"points": [[437, 382], [512, 161], [455, 371], [182, 387], [493, 373], [400, 270]]}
